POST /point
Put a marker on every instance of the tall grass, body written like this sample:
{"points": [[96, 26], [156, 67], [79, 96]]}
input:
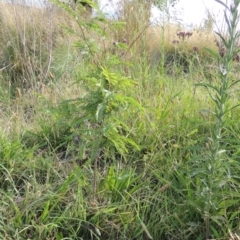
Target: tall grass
{"points": [[111, 138]]}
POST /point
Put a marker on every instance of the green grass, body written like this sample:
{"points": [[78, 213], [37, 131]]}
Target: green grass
{"points": [[87, 155]]}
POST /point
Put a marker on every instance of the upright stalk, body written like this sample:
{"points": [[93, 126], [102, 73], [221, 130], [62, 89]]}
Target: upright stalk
{"points": [[220, 94]]}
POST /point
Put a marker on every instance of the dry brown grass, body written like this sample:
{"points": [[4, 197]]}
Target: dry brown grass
{"points": [[141, 37], [166, 36], [45, 25], [28, 37], [19, 17]]}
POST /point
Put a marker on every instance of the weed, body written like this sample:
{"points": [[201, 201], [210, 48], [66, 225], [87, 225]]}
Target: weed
{"points": [[215, 174]]}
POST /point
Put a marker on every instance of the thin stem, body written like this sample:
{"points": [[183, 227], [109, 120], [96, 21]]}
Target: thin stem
{"points": [[95, 178]]}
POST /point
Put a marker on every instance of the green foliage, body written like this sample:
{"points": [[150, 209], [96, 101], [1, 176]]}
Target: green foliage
{"points": [[101, 107], [119, 150], [213, 180], [120, 186], [53, 134], [98, 115]]}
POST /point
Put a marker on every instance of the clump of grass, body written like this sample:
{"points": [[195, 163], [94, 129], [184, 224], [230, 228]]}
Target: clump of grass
{"points": [[183, 50], [29, 36], [26, 44]]}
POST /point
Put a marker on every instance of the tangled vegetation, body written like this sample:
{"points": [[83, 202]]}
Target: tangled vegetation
{"points": [[117, 129]]}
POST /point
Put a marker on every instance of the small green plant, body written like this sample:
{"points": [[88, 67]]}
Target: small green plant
{"points": [[120, 185], [98, 121], [101, 126]]}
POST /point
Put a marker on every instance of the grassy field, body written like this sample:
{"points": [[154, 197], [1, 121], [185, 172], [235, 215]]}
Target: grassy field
{"points": [[117, 129]]}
